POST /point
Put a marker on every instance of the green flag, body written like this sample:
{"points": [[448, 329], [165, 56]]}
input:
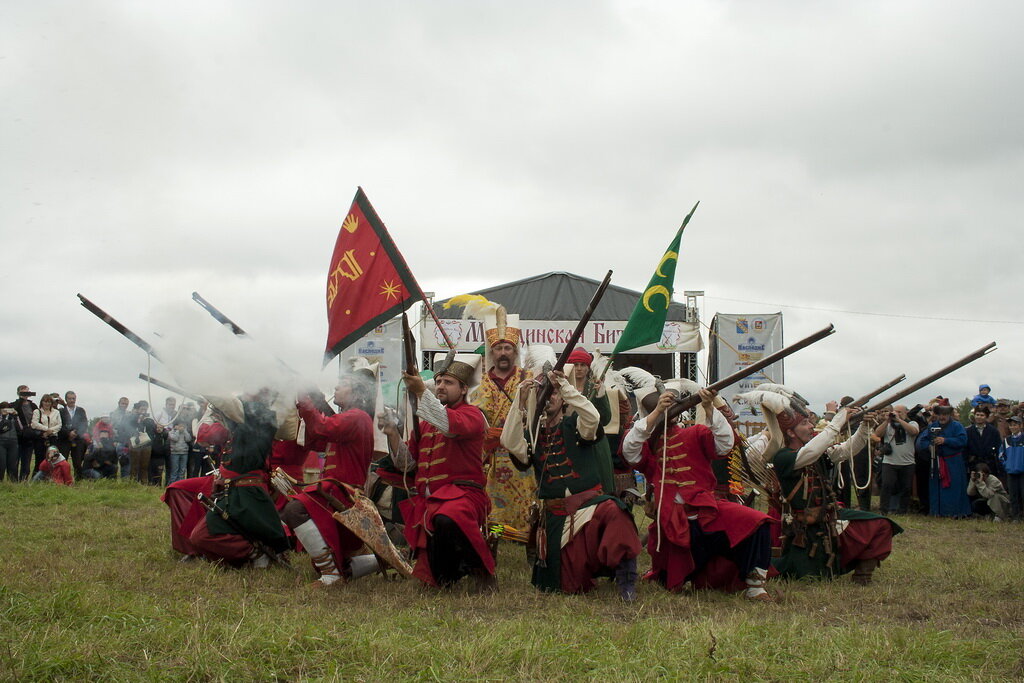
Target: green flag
{"points": [[647, 322]]}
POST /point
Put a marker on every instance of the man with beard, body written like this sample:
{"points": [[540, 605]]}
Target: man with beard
{"points": [[444, 517], [510, 490], [349, 448], [583, 530]]}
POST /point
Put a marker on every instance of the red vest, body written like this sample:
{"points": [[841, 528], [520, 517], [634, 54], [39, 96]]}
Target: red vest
{"points": [[687, 466], [457, 456]]}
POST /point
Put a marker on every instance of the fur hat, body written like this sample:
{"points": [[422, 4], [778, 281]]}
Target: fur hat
{"points": [[464, 372]]}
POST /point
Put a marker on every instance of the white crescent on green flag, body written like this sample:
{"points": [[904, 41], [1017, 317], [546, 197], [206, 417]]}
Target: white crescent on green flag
{"points": [[647, 322]]}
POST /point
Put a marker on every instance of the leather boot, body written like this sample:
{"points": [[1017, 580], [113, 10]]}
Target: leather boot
{"points": [[625, 579], [486, 582], [862, 572]]}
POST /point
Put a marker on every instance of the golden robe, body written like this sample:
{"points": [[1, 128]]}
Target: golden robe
{"points": [[510, 490]]}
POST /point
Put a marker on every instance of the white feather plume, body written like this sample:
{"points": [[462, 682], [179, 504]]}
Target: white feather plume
{"points": [[769, 400], [473, 305], [536, 357], [612, 378], [636, 378]]}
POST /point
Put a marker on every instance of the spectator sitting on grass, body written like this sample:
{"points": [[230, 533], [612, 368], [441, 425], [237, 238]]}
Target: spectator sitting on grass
{"points": [[55, 468], [992, 498], [983, 396], [101, 460]]}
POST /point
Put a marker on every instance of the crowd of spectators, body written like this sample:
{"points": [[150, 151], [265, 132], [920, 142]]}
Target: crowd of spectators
{"points": [[956, 461], [954, 465], [55, 440]]}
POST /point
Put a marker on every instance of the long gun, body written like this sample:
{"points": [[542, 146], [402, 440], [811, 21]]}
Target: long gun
{"points": [[692, 400], [218, 316], [259, 545], [870, 395], [546, 387], [235, 328], [118, 326], [907, 391]]}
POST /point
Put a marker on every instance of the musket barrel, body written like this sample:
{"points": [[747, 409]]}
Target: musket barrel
{"points": [[692, 400], [907, 391], [547, 388], [170, 387], [118, 326], [218, 316], [888, 385]]}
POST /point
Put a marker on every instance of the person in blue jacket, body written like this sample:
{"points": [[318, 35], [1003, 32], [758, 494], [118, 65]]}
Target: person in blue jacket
{"points": [[1011, 453], [946, 438], [983, 397]]}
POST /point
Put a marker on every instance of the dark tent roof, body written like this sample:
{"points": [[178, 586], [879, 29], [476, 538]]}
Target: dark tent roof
{"points": [[561, 296]]}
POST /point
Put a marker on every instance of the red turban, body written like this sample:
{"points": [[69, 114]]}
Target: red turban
{"points": [[579, 356]]}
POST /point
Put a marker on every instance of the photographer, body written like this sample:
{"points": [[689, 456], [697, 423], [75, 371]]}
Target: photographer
{"points": [[101, 459], [945, 439], [897, 433], [10, 432], [24, 406], [991, 496]]}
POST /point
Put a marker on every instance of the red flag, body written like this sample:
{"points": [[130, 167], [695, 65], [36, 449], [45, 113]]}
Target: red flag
{"points": [[368, 282]]}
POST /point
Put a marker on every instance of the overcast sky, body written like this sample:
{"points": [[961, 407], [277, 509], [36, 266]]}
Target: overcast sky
{"points": [[849, 157]]}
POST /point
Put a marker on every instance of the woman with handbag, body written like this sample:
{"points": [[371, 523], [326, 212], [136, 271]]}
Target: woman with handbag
{"points": [[47, 423], [140, 449]]}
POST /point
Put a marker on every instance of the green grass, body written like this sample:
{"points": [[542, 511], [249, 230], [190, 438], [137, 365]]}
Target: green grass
{"points": [[91, 590]]}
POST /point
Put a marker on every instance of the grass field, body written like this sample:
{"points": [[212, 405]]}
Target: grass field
{"points": [[91, 590]]}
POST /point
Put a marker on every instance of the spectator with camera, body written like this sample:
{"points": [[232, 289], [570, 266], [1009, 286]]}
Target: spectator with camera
{"points": [[989, 495], [47, 423], [983, 441], [180, 439], [944, 440], [10, 433], [101, 458], [54, 466], [1011, 453], [24, 406], [897, 433]]}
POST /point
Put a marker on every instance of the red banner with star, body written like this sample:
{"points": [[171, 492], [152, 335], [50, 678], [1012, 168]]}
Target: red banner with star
{"points": [[368, 282]]}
